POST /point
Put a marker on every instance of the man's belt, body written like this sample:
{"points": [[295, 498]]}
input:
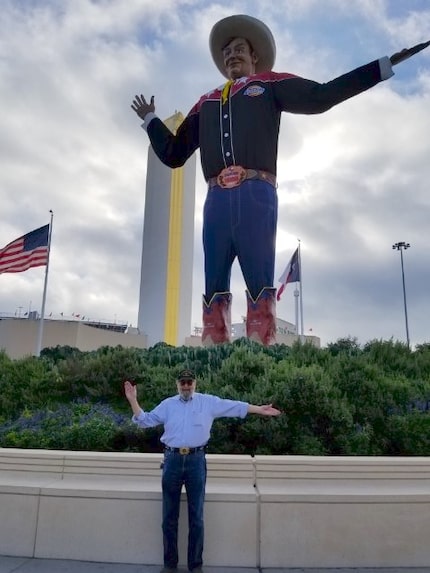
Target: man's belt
{"points": [[234, 175], [185, 451]]}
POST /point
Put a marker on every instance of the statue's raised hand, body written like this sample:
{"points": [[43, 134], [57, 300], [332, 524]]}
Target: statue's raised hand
{"points": [[141, 106]]}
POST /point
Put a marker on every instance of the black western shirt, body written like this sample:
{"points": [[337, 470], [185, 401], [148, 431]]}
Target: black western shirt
{"points": [[244, 129]]}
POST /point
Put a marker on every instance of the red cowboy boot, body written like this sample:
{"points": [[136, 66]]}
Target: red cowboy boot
{"points": [[261, 317], [217, 319]]}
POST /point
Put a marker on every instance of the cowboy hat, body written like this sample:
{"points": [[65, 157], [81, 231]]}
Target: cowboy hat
{"points": [[253, 30]]}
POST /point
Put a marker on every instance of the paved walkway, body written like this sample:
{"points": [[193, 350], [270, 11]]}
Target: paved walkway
{"points": [[26, 565]]}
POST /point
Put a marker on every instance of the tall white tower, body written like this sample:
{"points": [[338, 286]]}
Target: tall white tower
{"points": [[167, 251]]}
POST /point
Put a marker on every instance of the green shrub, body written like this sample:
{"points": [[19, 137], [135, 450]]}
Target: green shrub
{"points": [[28, 382], [409, 435], [78, 426], [342, 400]]}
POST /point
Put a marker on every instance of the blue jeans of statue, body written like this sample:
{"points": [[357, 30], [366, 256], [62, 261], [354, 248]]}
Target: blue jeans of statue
{"points": [[240, 222], [179, 470]]}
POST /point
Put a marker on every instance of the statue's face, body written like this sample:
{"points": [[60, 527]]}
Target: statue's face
{"points": [[239, 59]]}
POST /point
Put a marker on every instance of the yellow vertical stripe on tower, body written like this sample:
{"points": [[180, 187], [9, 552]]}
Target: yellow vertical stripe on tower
{"points": [[174, 249]]}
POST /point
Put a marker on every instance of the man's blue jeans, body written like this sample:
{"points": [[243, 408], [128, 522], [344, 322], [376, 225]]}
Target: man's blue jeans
{"points": [[188, 470]]}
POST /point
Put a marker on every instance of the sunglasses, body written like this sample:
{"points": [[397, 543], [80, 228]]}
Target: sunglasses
{"points": [[186, 382]]}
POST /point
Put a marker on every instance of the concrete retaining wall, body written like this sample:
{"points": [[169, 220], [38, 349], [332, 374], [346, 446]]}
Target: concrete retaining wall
{"points": [[267, 511]]}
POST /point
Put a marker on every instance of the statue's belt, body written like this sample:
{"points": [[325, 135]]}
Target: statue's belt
{"points": [[234, 175]]}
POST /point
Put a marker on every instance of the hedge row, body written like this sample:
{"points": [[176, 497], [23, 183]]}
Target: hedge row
{"points": [[340, 400]]}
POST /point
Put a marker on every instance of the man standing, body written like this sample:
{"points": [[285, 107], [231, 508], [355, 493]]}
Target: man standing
{"points": [[236, 127], [187, 419]]}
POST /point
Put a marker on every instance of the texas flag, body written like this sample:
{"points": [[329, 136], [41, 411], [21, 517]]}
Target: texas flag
{"points": [[291, 273]]}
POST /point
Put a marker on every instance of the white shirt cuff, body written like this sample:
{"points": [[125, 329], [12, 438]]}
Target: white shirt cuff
{"points": [[148, 118], [135, 419], [386, 68]]}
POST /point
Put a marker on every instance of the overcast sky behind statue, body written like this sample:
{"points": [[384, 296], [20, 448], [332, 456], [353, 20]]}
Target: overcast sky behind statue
{"points": [[352, 181]]}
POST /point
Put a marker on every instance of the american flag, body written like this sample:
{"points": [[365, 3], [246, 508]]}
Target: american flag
{"points": [[30, 250]]}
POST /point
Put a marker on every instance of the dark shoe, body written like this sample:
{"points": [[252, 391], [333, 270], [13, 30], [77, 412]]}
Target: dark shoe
{"points": [[169, 570]]}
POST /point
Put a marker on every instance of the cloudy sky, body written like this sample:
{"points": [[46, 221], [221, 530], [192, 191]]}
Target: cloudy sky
{"points": [[352, 181]]}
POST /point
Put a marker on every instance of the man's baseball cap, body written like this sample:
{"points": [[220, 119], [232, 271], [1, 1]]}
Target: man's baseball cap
{"points": [[253, 30], [186, 375]]}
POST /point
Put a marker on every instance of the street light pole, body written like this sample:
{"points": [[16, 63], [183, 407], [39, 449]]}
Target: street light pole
{"points": [[402, 246]]}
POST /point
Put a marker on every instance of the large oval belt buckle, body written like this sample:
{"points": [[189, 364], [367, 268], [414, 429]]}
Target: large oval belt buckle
{"points": [[184, 451], [231, 176]]}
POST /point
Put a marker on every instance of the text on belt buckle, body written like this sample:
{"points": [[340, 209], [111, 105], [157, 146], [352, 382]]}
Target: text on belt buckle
{"points": [[184, 451], [231, 176]]}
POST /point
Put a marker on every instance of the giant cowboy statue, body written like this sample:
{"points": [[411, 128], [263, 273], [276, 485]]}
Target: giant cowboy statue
{"points": [[236, 127]]}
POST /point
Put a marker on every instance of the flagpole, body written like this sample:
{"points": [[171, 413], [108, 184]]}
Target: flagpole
{"points": [[296, 308], [42, 314], [301, 292]]}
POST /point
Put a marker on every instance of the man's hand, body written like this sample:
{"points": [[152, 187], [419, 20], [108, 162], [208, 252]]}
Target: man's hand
{"points": [[265, 410], [141, 107], [407, 53], [130, 391], [268, 410]]}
